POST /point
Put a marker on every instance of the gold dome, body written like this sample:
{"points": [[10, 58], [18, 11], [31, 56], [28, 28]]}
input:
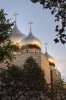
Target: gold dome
{"points": [[50, 59], [16, 35], [30, 41]]}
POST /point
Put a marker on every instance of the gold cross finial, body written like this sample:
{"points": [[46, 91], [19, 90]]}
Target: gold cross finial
{"points": [[46, 46], [15, 14], [30, 26]]}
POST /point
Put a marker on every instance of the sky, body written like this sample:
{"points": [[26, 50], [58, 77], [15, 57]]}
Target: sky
{"points": [[43, 27]]}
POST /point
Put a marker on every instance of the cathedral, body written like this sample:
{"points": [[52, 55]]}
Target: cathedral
{"points": [[31, 46], [26, 46]]}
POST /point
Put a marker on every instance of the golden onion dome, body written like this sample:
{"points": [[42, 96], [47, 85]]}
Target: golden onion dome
{"points": [[16, 35], [30, 41], [50, 59]]}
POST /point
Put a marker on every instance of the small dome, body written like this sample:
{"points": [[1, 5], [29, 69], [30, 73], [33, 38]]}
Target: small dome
{"points": [[50, 59], [31, 41], [16, 35]]}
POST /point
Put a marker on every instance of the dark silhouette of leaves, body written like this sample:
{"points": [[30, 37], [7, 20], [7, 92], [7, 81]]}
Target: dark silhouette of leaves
{"points": [[59, 92], [28, 82], [34, 79], [5, 31], [58, 8], [56, 40]]}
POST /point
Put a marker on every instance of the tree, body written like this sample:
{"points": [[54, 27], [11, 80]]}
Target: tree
{"points": [[28, 82], [11, 83], [65, 92], [5, 32], [59, 90], [34, 80], [58, 8]]}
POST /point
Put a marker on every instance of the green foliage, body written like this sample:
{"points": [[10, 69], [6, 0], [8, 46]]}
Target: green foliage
{"points": [[5, 32], [11, 83], [5, 27], [59, 90], [34, 80], [27, 82], [58, 8]]}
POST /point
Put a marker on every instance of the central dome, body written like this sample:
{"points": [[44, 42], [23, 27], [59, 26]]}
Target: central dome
{"points": [[30, 42]]}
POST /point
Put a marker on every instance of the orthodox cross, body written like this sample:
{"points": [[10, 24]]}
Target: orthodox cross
{"points": [[15, 15], [46, 46], [30, 26]]}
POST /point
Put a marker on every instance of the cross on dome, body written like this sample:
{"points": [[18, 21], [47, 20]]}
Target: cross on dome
{"points": [[46, 46], [30, 26], [15, 15]]}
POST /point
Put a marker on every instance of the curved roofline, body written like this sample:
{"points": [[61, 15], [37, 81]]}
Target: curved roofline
{"points": [[31, 40], [16, 35], [16, 31], [50, 58], [30, 46]]}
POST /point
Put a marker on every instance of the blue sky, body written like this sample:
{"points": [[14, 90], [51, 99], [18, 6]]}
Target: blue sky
{"points": [[43, 27]]}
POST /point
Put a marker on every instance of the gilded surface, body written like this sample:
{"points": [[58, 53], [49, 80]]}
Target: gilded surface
{"points": [[51, 59], [16, 35], [30, 39]]}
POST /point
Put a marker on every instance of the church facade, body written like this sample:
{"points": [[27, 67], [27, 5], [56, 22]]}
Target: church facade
{"points": [[31, 46]]}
